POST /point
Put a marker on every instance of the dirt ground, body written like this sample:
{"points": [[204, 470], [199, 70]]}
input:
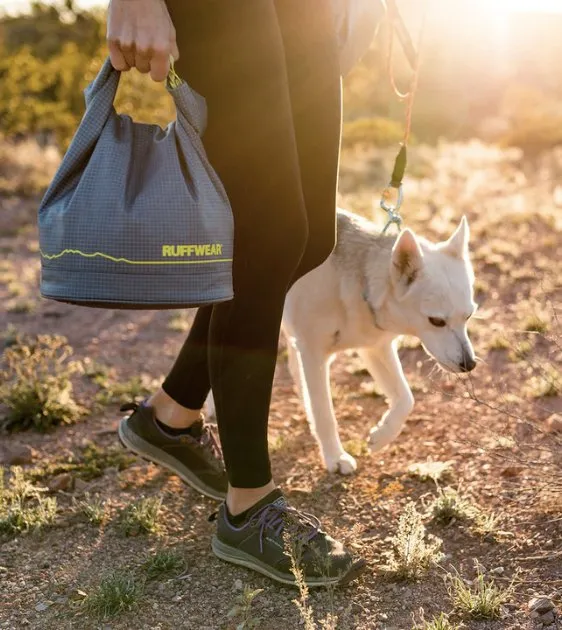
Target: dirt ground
{"points": [[492, 428]]}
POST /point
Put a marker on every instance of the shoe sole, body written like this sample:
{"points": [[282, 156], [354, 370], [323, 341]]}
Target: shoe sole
{"points": [[149, 452], [243, 559]]}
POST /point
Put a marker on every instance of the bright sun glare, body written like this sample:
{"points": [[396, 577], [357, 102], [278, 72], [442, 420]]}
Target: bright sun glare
{"points": [[502, 8]]}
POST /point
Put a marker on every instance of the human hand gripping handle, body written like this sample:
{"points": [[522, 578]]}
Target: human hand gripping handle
{"points": [[141, 35]]}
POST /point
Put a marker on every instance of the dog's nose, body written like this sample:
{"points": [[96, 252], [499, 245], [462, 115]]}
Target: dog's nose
{"points": [[467, 363]]}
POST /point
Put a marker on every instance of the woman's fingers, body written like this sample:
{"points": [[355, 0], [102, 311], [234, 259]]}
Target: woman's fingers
{"points": [[117, 57], [175, 52], [128, 50], [141, 35], [160, 65], [143, 60]]}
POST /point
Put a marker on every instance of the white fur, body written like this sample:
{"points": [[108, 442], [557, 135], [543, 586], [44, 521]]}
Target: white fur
{"points": [[371, 290]]}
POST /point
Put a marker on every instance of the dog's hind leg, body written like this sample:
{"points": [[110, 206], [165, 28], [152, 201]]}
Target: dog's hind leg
{"points": [[385, 368], [317, 398], [293, 363]]}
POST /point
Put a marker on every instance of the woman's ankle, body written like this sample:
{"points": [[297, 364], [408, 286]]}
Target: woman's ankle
{"points": [[239, 500], [171, 413]]}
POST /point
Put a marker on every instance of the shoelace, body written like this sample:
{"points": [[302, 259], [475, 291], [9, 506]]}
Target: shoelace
{"points": [[279, 517], [205, 437], [208, 440]]}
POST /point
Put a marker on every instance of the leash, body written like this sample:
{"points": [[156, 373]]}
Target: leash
{"points": [[395, 186]]}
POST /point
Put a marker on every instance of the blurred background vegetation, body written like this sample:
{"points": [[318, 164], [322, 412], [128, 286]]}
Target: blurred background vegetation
{"points": [[496, 79]]}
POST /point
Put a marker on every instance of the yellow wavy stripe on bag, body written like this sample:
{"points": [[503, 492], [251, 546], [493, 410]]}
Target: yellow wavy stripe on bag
{"points": [[133, 262]]}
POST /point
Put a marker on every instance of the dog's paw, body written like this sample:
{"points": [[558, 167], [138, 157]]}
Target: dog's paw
{"points": [[343, 463], [378, 440]]}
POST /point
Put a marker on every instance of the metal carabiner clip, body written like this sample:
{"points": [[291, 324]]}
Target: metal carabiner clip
{"points": [[392, 210]]}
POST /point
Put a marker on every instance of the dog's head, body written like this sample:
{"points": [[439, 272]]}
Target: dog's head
{"points": [[432, 294]]}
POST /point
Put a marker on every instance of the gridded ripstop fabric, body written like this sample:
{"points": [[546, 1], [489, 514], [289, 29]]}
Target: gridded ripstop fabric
{"points": [[136, 217], [356, 23]]}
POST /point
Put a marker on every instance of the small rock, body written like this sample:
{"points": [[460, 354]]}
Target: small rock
{"points": [[554, 423], [18, 455], [80, 485], [61, 482], [238, 586], [498, 571], [512, 471], [41, 606], [547, 618], [540, 605]]}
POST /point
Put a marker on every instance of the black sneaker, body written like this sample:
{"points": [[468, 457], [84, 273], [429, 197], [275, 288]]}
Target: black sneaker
{"points": [[259, 544], [193, 455]]}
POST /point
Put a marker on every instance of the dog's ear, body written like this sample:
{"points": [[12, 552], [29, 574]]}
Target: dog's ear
{"points": [[457, 245], [406, 261]]}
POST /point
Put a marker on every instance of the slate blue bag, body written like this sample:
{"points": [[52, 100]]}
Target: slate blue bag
{"points": [[356, 23], [136, 217]]}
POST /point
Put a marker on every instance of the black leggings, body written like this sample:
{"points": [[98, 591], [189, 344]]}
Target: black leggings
{"points": [[269, 71]]}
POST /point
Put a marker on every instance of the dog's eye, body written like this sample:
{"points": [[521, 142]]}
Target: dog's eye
{"points": [[437, 321]]}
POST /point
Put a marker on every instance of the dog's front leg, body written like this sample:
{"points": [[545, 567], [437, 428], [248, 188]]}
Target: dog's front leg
{"points": [[317, 398], [385, 368]]}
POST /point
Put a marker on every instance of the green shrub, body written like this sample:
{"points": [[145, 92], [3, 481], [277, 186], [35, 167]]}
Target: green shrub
{"points": [[36, 386], [412, 552], [163, 564], [117, 592], [22, 506], [535, 120], [89, 465], [482, 599], [141, 517], [535, 134], [450, 505], [379, 132], [93, 508], [440, 622]]}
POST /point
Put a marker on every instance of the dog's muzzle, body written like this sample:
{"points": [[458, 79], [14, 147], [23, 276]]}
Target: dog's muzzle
{"points": [[467, 363]]}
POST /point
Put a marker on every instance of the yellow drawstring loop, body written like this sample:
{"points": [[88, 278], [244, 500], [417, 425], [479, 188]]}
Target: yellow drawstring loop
{"points": [[173, 81]]}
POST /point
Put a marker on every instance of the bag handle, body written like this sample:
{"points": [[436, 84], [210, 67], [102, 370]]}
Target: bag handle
{"points": [[190, 106], [191, 112]]}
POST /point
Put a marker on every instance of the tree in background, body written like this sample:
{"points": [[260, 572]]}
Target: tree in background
{"points": [[470, 76], [47, 58]]}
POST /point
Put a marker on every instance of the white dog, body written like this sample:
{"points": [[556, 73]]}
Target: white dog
{"points": [[371, 290]]}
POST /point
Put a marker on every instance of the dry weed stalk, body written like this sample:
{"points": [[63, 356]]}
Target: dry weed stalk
{"points": [[412, 553], [530, 440]]}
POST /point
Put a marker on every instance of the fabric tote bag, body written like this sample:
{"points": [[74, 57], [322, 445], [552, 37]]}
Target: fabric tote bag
{"points": [[356, 24], [136, 217]]}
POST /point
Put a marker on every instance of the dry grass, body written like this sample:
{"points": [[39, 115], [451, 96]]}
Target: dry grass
{"points": [[481, 599], [451, 505], [242, 613], [413, 551], [142, 517], [437, 622], [37, 388], [164, 564], [26, 168], [117, 592], [22, 504], [490, 424], [93, 508]]}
